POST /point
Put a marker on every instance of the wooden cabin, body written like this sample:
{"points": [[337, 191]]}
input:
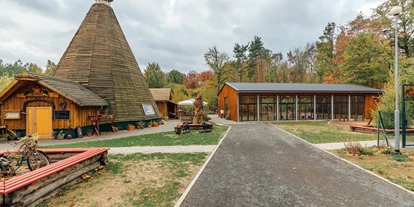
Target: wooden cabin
{"points": [[296, 101], [97, 71], [43, 104], [163, 99]]}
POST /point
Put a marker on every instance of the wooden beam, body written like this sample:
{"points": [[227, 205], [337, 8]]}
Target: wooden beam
{"points": [[51, 95]]}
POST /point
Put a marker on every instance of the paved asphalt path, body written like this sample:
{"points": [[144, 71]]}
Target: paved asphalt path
{"points": [[260, 165]]}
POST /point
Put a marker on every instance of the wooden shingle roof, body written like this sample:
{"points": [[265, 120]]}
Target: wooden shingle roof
{"points": [[69, 89], [99, 58], [161, 94]]}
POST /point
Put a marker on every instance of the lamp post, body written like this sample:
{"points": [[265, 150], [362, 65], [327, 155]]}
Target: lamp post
{"points": [[395, 11]]}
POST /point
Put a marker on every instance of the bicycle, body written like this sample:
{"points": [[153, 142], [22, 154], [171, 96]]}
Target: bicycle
{"points": [[28, 152]]}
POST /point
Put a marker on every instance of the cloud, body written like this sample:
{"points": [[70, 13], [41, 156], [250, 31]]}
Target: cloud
{"points": [[174, 33]]}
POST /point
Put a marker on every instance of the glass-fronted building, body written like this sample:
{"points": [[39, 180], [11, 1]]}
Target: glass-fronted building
{"points": [[296, 101]]}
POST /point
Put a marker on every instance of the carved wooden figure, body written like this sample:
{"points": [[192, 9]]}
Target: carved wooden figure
{"points": [[198, 110]]}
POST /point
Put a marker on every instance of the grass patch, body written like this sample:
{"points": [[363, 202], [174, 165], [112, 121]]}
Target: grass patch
{"points": [[157, 139], [401, 158], [322, 132], [132, 180], [409, 185], [396, 168], [153, 196]]}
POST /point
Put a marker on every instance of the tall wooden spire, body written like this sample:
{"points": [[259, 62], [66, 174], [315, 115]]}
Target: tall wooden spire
{"points": [[100, 58]]}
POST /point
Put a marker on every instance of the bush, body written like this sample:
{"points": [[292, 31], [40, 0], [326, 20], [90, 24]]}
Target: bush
{"points": [[401, 158], [368, 151], [387, 108], [353, 148]]}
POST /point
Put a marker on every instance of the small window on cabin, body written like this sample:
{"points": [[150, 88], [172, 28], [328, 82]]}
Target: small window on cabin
{"points": [[11, 115], [148, 109]]}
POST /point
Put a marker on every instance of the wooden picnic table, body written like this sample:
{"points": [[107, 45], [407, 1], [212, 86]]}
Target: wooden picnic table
{"points": [[102, 119]]}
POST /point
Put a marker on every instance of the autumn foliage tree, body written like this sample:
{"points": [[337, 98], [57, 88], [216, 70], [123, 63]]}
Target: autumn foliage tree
{"points": [[204, 77], [190, 80]]}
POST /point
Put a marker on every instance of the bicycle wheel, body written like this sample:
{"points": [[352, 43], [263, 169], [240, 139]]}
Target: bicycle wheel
{"points": [[15, 162], [37, 160]]}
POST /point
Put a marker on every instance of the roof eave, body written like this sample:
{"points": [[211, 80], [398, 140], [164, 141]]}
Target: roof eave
{"points": [[93, 105], [169, 101], [44, 83], [301, 91], [7, 89]]}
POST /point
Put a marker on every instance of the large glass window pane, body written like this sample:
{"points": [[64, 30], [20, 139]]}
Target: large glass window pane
{"points": [[247, 99], [323, 107], [341, 107], [305, 104], [267, 108], [267, 99], [357, 107], [248, 108], [287, 107], [267, 112]]}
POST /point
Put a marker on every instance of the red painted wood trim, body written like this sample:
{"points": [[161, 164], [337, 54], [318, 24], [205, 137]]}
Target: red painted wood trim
{"points": [[33, 176]]}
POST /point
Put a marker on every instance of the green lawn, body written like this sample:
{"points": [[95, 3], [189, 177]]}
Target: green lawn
{"points": [[158, 139], [322, 132], [140, 180]]}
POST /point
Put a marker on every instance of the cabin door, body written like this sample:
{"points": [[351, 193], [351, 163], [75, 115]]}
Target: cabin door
{"points": [[39, 120]]}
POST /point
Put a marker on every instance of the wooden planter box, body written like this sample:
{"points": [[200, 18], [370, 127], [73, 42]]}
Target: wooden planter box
{"points": [[66, 166]]}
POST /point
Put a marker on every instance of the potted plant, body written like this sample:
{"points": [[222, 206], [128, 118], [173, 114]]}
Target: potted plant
{"points": [[155, 124], [150, 124], [89, 132], [130, 127]]}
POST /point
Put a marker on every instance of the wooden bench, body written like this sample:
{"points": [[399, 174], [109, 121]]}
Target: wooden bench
{"points": [[179, 126], [370, 129]]}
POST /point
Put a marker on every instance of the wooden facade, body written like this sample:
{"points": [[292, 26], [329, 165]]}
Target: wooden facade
{"points": [[166, 108], [97, 72], [163, 99], [274, 105], [19, 102], [230, 109]]}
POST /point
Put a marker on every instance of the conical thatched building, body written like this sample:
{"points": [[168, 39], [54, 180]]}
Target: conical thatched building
{"points": [[99, 58]]}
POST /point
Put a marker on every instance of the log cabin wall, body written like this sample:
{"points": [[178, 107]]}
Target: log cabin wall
{"points": [[162, 107], [231, 95], [370, 105], [17, 102]]}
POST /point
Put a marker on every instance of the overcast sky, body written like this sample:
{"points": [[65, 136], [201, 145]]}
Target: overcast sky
{"points": [[174, 33]]}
